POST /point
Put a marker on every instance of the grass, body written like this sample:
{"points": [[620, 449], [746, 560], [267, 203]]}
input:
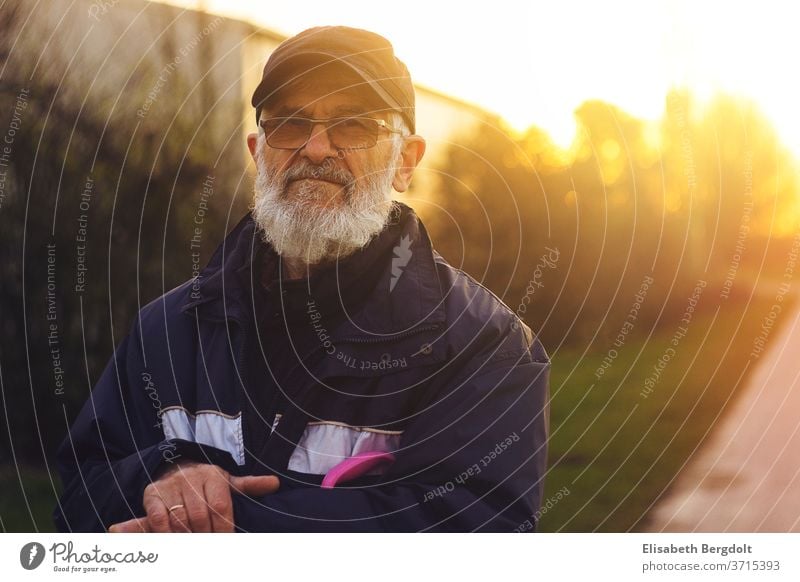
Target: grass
{"points": [[615, 450], [27, 507]]}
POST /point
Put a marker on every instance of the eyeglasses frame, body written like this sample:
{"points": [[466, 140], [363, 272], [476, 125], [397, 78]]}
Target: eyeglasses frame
{"points": [[327, 122]]}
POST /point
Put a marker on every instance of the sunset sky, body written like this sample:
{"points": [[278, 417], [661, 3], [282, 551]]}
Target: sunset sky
{"points": [[535, 62]]}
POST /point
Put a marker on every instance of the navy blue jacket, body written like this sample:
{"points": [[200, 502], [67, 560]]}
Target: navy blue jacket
{"points": [[418, 359]]}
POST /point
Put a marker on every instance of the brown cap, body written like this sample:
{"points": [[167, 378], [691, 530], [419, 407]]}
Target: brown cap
{"points": [[368, 54]]}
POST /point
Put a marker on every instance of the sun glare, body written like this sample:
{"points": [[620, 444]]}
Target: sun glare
{"points": [[535, 63]]}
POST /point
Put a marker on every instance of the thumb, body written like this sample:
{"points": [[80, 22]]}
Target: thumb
{"points": [[255, 485], [137, 525]]}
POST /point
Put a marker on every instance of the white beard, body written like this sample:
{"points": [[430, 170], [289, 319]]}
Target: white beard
{"points": [[307, 225]]}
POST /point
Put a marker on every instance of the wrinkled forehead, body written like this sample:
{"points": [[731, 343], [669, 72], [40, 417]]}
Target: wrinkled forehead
{"points": [[338, 86]]}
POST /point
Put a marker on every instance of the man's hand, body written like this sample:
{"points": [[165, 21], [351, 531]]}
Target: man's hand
{"points": [[194, 497]]}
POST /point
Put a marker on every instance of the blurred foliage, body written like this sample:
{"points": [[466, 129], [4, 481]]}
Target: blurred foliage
{"points": [[630, 199], [145, 177]]}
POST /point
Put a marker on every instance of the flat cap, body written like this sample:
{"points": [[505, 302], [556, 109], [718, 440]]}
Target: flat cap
{"points": [[368, 54]]}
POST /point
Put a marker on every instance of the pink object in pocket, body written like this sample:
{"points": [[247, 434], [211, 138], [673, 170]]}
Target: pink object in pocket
{"points": [[355, 466]]}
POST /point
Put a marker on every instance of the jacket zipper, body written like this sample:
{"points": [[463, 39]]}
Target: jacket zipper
{"points": [[402, 334]]}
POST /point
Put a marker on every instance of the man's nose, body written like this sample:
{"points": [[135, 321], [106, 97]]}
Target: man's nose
{"points": [[319, 146]]}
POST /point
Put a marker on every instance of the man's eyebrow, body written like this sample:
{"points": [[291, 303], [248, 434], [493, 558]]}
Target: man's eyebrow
{"points": [[350, 110], [285, 111]]}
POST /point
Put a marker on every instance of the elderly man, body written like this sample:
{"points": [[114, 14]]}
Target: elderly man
{"points": [[328, 370]]}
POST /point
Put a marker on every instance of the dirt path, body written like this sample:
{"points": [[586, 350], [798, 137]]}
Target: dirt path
{"points": [[746, 478]]}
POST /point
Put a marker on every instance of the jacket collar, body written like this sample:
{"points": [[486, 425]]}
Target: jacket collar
{"points": [[407, 293]]}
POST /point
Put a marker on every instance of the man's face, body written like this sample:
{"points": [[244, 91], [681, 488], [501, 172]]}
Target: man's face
{"points": [[318, 202], [325, 101]]}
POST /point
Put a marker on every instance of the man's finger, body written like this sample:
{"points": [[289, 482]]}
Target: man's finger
{"points": [[197, 510], [220, 507], [158, 519], [178, 518], [255, 485], [137, 525]]}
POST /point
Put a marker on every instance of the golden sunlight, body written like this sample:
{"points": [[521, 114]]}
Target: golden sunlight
{"points": [[536, 63]]}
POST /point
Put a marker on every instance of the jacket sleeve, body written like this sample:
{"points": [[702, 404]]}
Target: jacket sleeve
{"points": [[116, 445], [473, 460]]}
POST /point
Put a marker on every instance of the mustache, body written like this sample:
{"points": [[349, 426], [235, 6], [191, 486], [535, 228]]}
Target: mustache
{"points": [[327, 171]]}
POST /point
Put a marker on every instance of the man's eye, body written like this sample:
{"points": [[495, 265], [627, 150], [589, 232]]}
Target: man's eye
{"points": [[276, 124], [294, 124], [355, 123], [356, 128]]}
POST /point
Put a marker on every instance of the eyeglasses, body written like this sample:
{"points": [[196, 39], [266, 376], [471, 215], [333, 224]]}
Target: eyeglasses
{"points": [[291, 133]]}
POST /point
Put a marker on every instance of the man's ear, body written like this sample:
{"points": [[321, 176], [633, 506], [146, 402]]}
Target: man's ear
{"points": [[411, 154], [251, 144]]}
